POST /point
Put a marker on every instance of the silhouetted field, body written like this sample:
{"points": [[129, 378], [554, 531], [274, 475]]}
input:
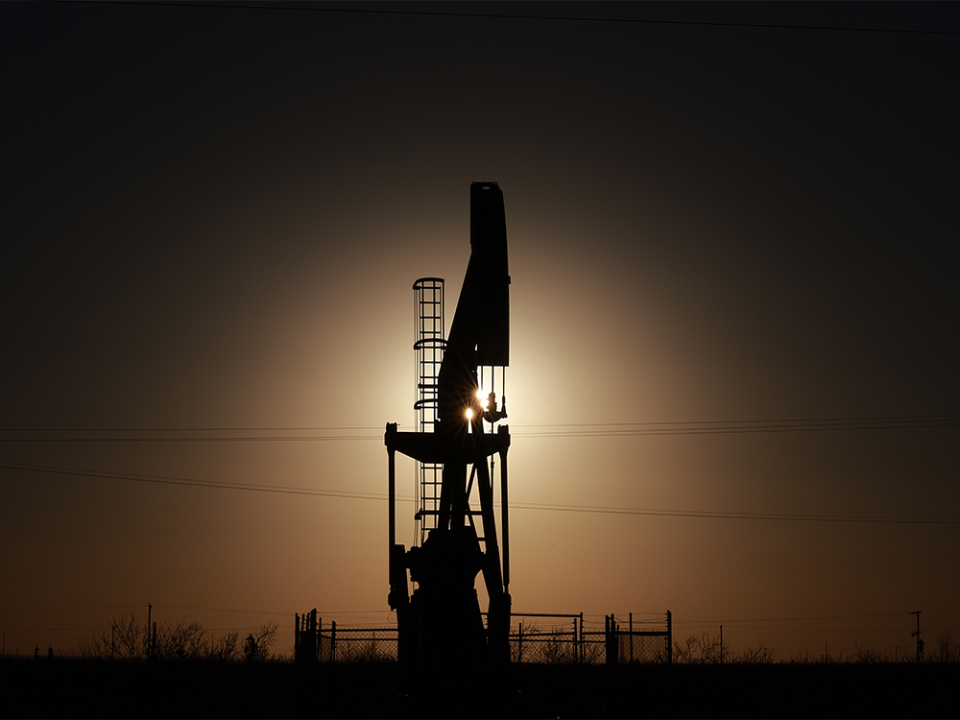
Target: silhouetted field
{"points": [[104, 689]]}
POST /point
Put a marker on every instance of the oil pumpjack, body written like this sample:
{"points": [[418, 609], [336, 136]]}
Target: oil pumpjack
{"points": [[441, 623]]}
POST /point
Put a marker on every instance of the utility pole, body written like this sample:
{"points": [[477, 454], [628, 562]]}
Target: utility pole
{"points": [[917, 636]]}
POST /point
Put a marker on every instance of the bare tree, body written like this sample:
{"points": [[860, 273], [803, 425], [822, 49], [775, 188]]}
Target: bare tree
{"points": [[127, 639], [755, 656], [183, 641], [703, 650], [947, 648], [697, 649], [226, 647], [257, 645]]}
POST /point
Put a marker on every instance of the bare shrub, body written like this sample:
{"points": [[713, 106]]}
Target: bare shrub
{"points": [[226, 647], [948, 650], [759, 655], [183, 641], [256, 648], [863, 654], [697, 649], [128, 639]]}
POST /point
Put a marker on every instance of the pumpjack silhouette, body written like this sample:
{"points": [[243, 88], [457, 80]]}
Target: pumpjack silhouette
{"points": [[441, 623]]}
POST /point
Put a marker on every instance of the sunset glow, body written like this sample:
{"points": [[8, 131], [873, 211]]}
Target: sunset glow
{"points": [[733, 382]]}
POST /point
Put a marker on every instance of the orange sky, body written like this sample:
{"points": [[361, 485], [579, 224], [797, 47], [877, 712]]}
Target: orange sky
{"points": [[215, 219]]}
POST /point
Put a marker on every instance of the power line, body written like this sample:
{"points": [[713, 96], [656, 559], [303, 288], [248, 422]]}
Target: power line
{"points": [[239, 428], [745, 426], [291, 438], [789, 619], [701, 514], [318, 434], [71, 609], [722, 515], [560, 430], [359, 9], [167, 480], [871, 420]]}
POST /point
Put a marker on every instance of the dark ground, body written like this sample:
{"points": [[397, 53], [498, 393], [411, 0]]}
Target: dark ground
{"points": [[99, 689]]}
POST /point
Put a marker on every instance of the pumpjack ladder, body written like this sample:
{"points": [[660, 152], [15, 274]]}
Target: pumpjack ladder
{"points": [[429, 345]]}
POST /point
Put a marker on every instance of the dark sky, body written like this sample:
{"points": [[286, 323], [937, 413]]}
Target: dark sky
{"points": [[214, 216]]}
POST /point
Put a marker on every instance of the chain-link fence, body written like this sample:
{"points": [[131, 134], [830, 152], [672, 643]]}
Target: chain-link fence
{"points": [[534, 638], [649, 639], [555, 639], [546, 639], [356, 645], [315, 642], [641, 647]]}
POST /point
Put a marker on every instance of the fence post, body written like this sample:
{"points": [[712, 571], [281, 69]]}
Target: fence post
{"points": [[333, 641], [606, 638], [520, 643], [296, 637], [583, 654], [613, 641], [576, 646], [669, 638], [631, 638]]}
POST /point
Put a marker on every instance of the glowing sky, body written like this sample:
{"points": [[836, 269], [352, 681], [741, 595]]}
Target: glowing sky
{"points": [[213, 218]]}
